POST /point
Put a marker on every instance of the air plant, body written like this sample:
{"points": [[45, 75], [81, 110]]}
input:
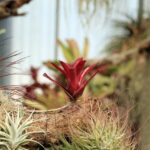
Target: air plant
{"points": [[13, 132], [6, 63], [104, 132], [75, 77], [6, 66]]}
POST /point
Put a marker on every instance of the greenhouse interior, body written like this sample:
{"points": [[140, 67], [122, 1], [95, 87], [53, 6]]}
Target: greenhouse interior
{"points": [[75, 74]]}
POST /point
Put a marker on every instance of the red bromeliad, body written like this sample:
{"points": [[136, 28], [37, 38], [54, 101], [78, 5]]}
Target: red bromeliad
{"points": [[75, 77]]}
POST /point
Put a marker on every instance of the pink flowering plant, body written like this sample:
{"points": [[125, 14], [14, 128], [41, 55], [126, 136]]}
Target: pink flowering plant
{"points": [[75, 76]]}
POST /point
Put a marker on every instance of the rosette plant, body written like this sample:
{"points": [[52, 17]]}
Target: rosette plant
{"points": [[74, 74]]}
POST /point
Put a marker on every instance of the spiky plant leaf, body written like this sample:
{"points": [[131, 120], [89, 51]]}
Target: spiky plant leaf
{"points": [[85, 48], [71, 50], [73, 46], [66, 51]]}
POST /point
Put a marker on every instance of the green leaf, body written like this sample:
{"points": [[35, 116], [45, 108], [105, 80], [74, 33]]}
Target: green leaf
{"points": [[66, 52], [2, 31], [74, 48], [86, 48]]}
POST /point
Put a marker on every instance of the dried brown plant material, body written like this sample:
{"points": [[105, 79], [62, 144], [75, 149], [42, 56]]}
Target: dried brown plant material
{"points": [[56, 123], [10, 8], [6, 104], [52, 124]]}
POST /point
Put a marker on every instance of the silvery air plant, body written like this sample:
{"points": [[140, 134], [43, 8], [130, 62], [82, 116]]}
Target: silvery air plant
{"points": [[75, 75], [14, 133]]}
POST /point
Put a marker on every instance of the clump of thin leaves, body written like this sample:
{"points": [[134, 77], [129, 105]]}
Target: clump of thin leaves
{"points": [[13, 132], [99, 133]]}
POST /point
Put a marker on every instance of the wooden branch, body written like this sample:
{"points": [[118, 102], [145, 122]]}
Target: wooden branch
{"points": [[118, 58], [10, 8]]}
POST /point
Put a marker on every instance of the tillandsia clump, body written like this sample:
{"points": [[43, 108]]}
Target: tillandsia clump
{"points": [[13, 131], [99, 130], [75, 74]]}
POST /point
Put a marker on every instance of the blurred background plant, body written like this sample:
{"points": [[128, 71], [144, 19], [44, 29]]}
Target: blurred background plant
{"points": [[135, 31], [42, 95]]}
